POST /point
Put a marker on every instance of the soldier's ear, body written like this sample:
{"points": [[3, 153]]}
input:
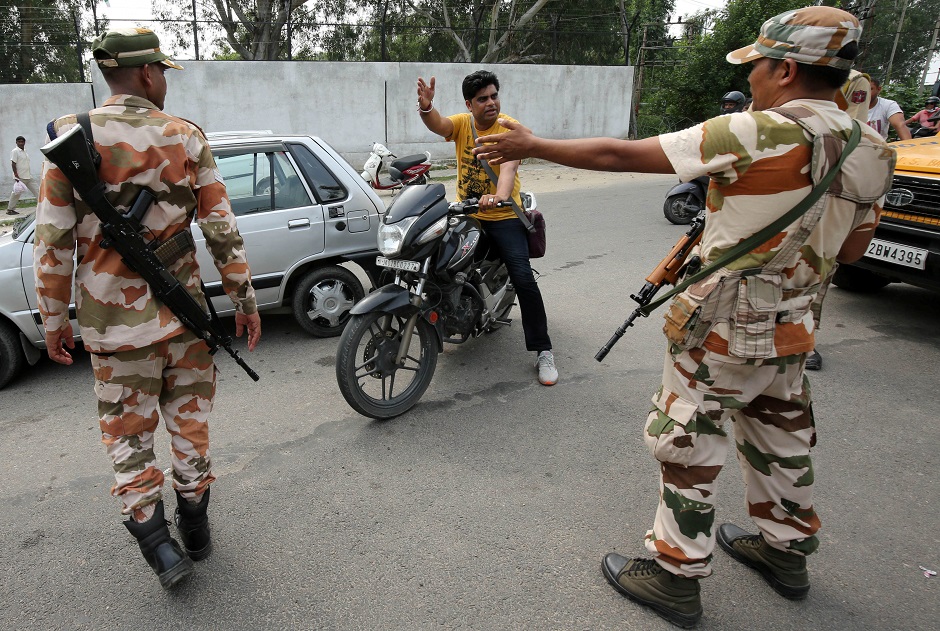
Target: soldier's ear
{"points": [[789, 70]]}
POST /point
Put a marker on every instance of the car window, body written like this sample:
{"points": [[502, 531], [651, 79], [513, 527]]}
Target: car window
{"points": [[326, 187], [247, 179], [289, 191], [261, 181]]}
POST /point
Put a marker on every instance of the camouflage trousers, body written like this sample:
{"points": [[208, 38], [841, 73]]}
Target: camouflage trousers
{"points": [[768, 402], [178, 377]]}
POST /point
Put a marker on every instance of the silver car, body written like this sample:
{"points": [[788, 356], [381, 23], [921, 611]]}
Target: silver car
{"points": [[302, 210]]}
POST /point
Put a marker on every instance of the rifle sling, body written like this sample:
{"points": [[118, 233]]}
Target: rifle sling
{"points": [[106, 212], [768, 231]]}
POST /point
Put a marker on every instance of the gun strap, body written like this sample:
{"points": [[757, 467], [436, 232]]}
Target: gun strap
{"points": [[767, 232], [167, 252], [489, 172]]}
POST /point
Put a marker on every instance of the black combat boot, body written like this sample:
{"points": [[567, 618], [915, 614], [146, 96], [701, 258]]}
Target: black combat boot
{"points": [[160, 550], [675, 598], [193, 526], [784, 571]]}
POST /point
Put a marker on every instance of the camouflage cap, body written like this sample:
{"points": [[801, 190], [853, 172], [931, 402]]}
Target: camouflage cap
{"points": [[129, 47], [811, 35]]}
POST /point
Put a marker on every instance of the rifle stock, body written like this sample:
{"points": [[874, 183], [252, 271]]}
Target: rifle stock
{"points": [[76, 158], [669, 270]]}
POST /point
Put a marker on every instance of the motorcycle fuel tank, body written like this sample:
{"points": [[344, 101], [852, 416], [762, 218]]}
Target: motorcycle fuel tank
{"points": [[460, 245]]}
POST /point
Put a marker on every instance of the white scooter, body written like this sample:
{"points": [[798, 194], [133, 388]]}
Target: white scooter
{"points": [[399, 172]]}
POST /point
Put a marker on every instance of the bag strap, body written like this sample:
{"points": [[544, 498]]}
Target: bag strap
{"points": [[768, 231], [489, 171]]}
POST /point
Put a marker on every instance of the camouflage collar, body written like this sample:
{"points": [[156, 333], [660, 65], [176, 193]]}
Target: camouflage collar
{"points": [[129, 100]]}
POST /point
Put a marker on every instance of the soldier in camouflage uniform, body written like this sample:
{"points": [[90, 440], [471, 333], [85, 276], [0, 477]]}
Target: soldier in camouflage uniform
{"points": [[738, 339], [143, 357]]}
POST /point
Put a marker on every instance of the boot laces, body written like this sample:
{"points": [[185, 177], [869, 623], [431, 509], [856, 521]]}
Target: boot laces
{"points": [[643, 568], [750, 541]]}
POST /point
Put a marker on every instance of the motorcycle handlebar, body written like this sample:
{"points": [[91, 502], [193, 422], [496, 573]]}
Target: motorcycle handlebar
{"points": [[471, 205]]}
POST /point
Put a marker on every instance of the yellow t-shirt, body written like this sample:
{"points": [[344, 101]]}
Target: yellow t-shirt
{"points": [[472, 180]]}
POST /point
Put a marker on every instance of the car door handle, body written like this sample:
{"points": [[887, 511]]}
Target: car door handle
{"points": [[298, 223]]}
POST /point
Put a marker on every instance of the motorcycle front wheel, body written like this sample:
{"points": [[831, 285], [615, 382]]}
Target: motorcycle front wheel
{"points": [[681, 209], [370, 379]]}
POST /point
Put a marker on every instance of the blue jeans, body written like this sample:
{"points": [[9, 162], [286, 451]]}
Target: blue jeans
{"points": [[510, 239]]}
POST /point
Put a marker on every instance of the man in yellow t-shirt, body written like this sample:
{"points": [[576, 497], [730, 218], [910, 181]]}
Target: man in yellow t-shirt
{"points": [[503, 229]]}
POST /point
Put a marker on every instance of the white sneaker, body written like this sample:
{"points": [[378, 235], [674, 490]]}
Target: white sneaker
{"points": [[548, 374]]}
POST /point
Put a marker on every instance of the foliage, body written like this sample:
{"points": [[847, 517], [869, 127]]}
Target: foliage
{"points": [[477, 31], [689, 93], [915, 33], [909, 96], [253, 29], [38, 41], [676, 96]]}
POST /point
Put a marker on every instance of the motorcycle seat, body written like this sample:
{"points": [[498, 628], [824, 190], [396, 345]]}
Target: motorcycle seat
{"points": [[408, 161]]}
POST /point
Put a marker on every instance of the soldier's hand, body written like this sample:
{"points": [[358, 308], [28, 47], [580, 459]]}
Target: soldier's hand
{"points": [[54, 342], [507, 146], [253, 322]]}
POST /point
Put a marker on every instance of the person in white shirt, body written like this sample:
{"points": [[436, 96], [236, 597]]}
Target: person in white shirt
{"points": [[21, 173], [882, 112]]}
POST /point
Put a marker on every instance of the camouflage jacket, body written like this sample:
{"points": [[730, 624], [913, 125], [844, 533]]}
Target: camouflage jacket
{"points": [[140, 147], [761, 165]]}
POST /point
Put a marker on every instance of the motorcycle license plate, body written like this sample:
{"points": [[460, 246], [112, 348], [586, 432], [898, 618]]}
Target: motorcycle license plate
{"points": [[408, 266], [899, 254]]}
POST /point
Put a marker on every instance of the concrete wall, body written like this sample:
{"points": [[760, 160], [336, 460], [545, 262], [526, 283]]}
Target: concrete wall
{"points": [[351, 105]]}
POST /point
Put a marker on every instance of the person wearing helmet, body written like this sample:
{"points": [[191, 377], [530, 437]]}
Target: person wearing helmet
{"points": [[732, 102], [928, 117]]}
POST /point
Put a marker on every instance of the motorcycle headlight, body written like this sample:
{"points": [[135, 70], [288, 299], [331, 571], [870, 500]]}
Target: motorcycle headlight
{"points": [[433, 231], [392, 236]]}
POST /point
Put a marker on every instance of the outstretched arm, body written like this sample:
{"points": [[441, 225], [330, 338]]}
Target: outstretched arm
{"points": [[596, 154], [897, 121], [431, 118]]}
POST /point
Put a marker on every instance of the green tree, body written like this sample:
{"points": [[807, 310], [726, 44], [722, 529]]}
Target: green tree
{"points": [[259, 30], [40, 41], [500, 31], [689, 92], [913, 35]]}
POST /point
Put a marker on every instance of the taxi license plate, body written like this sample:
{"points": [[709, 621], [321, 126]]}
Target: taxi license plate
{"points": [[895, 253], [408, 266]]}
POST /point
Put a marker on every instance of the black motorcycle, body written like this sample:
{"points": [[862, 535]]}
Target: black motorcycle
{"points": [[446, 287], [686, 200]]}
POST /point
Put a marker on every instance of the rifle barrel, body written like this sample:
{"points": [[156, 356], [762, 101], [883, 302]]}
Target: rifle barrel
{"points": [[601, 354]]}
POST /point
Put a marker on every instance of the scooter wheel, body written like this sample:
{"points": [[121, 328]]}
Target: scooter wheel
{"points": [[681, 209]]}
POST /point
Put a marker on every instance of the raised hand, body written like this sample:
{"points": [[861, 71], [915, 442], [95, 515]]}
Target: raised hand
{"points": [[425, 93]]}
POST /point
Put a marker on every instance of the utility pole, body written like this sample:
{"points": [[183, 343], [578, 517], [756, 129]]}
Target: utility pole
{"points": [[78, 45], [637, 86], [930, 51], [897, 36], [195, 31]]}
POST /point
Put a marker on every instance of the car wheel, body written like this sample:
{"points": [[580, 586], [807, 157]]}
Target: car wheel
{"points": [[859, 280], [12, 358], [323, 299]]}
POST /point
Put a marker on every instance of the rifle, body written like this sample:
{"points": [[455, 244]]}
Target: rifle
{"points": [[668, 271], [78, 160]]}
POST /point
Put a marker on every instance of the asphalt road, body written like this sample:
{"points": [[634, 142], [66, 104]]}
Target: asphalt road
{"points": [[490, 504]]}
